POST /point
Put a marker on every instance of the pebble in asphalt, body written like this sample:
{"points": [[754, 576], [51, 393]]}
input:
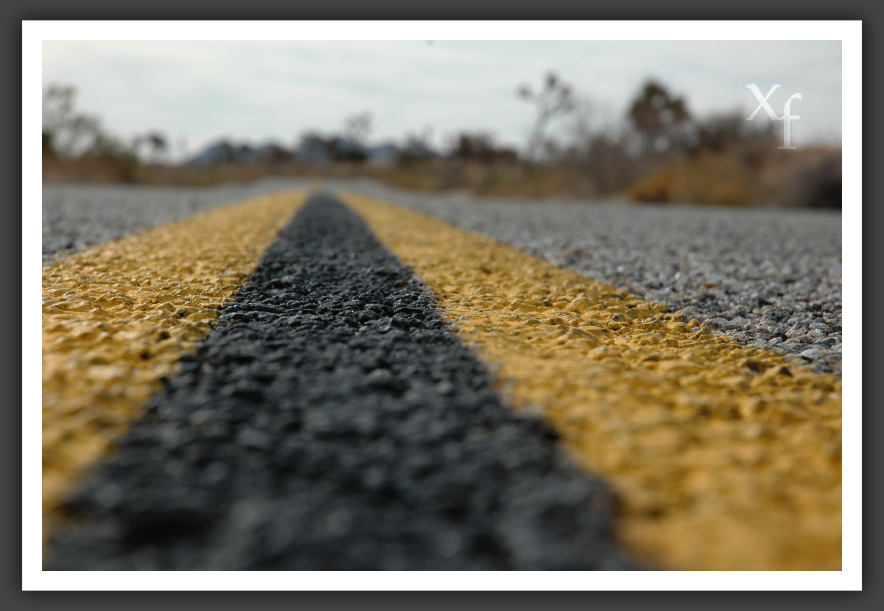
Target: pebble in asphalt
{"points": [[332, 421]]}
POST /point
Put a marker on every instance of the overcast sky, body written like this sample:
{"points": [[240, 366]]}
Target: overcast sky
{"points": [[256, 91]]}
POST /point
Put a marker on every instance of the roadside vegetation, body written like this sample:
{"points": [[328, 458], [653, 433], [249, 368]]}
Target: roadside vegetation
{"points": [[656, 151]]}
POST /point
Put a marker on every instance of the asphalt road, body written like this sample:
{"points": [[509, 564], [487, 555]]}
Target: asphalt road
{"points": [[332, 419], [332, 422], [768, 277]]}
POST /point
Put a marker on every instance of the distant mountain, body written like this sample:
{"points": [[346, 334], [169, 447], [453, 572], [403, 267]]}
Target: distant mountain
{"points": [[219, 152], [226, 152]]}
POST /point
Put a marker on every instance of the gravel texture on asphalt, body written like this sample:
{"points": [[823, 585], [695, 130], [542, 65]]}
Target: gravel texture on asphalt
{"points": [[78, 216], [766, 277], [332, 421]]}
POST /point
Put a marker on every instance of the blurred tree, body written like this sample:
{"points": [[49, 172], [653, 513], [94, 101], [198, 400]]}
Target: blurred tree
{"points": [[48, 147], [69, 135], [67, 132], [719, 131], [357, 127], [313, 147], [58, 108], [416, 147], [479, 146], [608, 159], [106, 146], [159, 145], [155, 140], [659, 117], [467, 145], [554, 100], [112, 152]]}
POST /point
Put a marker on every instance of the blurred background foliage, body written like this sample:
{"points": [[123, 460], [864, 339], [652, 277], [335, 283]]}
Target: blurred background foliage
{"points": [[656, 151]]}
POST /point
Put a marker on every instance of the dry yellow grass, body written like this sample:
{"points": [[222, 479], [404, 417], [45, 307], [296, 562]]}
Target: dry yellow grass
{"points": [[741, 177], [735, 177]]}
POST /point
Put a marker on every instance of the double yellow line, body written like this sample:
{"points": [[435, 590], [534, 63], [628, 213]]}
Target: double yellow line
{"points": [[724, 456]]}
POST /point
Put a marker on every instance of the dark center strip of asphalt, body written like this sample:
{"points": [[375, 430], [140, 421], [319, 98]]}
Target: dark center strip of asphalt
{"points": [[332, 421]]}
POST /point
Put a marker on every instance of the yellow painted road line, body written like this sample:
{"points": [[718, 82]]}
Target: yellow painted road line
{"points": [[117, 318], [724, 456]]}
